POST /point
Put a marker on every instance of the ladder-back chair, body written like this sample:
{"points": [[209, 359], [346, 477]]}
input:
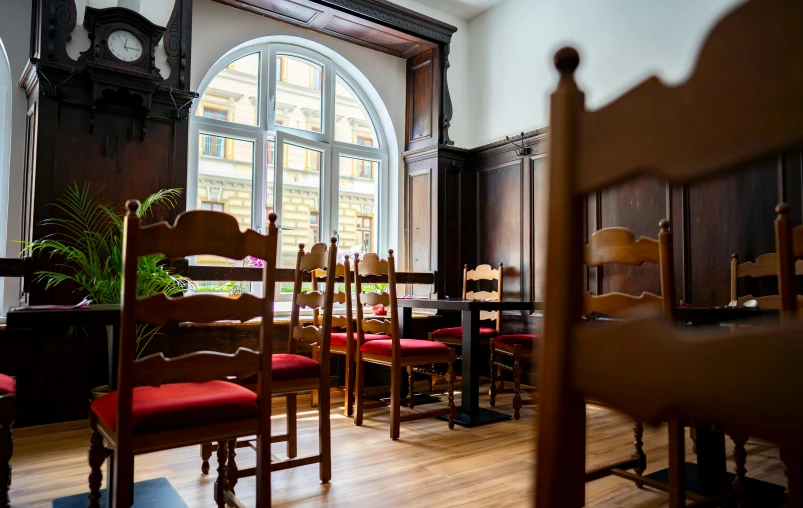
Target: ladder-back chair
{"points": [[394, 351], [8, 400], [766, 265], [650, 369], [789, 246], [453, 336], [164, 403]]}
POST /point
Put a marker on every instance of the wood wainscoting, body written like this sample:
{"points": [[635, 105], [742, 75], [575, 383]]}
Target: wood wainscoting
{"points": [[484, 208]]}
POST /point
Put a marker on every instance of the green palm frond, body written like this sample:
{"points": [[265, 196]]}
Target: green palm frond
{"points": [[89, 252]]}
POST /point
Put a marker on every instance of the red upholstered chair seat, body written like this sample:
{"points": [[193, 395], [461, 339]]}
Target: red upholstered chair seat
{"points": [[287, 366], [181, 405], [8, 385], [339, 338], [409, 347], [522, 339], [457, 333]]}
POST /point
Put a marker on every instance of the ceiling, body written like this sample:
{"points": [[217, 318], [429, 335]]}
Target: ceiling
{"points": [[463, 9]]}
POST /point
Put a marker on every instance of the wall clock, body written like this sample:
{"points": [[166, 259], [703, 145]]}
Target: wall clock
{"points": [[121, 62]]}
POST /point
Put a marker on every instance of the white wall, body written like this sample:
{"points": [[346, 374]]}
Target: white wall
{"points": [[15, 24], [621, 42]]}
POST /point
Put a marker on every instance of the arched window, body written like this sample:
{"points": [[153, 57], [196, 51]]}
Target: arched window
{"points": [[282, 128]]}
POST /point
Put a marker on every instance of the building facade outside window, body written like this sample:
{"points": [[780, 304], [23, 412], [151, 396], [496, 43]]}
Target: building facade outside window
{"points": [[282, 128]]}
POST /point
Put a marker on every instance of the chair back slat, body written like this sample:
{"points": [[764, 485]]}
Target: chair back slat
{"points": [[189, 236], [673, 368], [378, 326], [492, 296], [766, 265], [310, 334], [156, 369], [489, 315], [797, 247], [159, 308], [483, 272], [744, 98], [310, 300], [617, 304], [340, 322], [658, 136], [618, 245], [376, 299]]}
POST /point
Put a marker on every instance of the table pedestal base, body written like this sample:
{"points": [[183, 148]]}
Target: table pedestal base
{"points": [[483, 417], [759, 493]]}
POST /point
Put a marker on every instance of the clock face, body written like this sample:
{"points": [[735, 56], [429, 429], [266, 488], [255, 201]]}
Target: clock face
{"points": [[124, 45]]}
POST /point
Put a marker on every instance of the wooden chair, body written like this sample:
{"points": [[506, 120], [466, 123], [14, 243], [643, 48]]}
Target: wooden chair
{"points": [[285, 365], [394, 352], [163, 403], [744, 380], [789, 246], [8, 400], [453, 336], [766, 265]]}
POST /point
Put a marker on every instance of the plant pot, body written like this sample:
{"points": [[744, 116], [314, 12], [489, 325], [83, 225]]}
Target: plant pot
{"points": [[98, 392]]}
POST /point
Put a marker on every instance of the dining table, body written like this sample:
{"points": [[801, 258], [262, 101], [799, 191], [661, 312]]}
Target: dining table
{"points": [[469, 413]]}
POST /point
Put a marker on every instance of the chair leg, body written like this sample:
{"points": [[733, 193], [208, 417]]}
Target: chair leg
{"points": [[492, 390], [411, 378], [222, 482], [325, 433], [292, 426], [6, 451], [677, 465], [740, 457], [97, 455], [122, 484], [395, 401], [349, 395], [517, 382], [638, 451], [793, 462], [359, 388], [206, 454], [316, 355], [450, 375], [232, 472]]}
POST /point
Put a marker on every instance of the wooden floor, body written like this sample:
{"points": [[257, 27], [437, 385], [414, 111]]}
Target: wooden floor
{"points": [[429, 466]]}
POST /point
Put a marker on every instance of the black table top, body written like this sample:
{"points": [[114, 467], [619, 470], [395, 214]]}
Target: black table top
{"points": [[721, 314], [469, 305], [46, 316]]}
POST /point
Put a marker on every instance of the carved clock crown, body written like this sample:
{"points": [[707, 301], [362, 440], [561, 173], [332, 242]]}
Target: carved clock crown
{"points": [[101, 23]]}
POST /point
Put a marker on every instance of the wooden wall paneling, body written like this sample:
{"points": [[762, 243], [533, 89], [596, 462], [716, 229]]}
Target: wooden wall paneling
{"points": [[679, 240], [500, 204], [419, 223], [423, 100], [732, 213], [453, 214]]}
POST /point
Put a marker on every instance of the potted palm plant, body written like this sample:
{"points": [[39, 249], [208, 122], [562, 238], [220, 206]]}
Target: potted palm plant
{"points": [[89, 246]]}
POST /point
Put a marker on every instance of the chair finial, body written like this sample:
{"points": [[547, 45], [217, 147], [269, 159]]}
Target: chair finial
{"points": [[566, 60], [333, 240], [132, 205], [664, 225], [390, 252], [272, 218], [301, 247], [783, 209], [734, 256]]}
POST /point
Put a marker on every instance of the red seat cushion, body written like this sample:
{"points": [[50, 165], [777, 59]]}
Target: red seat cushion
{"points": [[180, 405], [287, 367], [409, 347], [522, 339], [457, 333], [339, 338], [7, 385]]}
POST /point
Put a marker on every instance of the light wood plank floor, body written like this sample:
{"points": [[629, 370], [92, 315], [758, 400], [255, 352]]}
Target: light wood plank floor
{"points": [[429, 466]]}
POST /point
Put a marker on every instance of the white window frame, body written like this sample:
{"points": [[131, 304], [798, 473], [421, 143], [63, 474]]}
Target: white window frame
{"points": [[266, 130]]}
